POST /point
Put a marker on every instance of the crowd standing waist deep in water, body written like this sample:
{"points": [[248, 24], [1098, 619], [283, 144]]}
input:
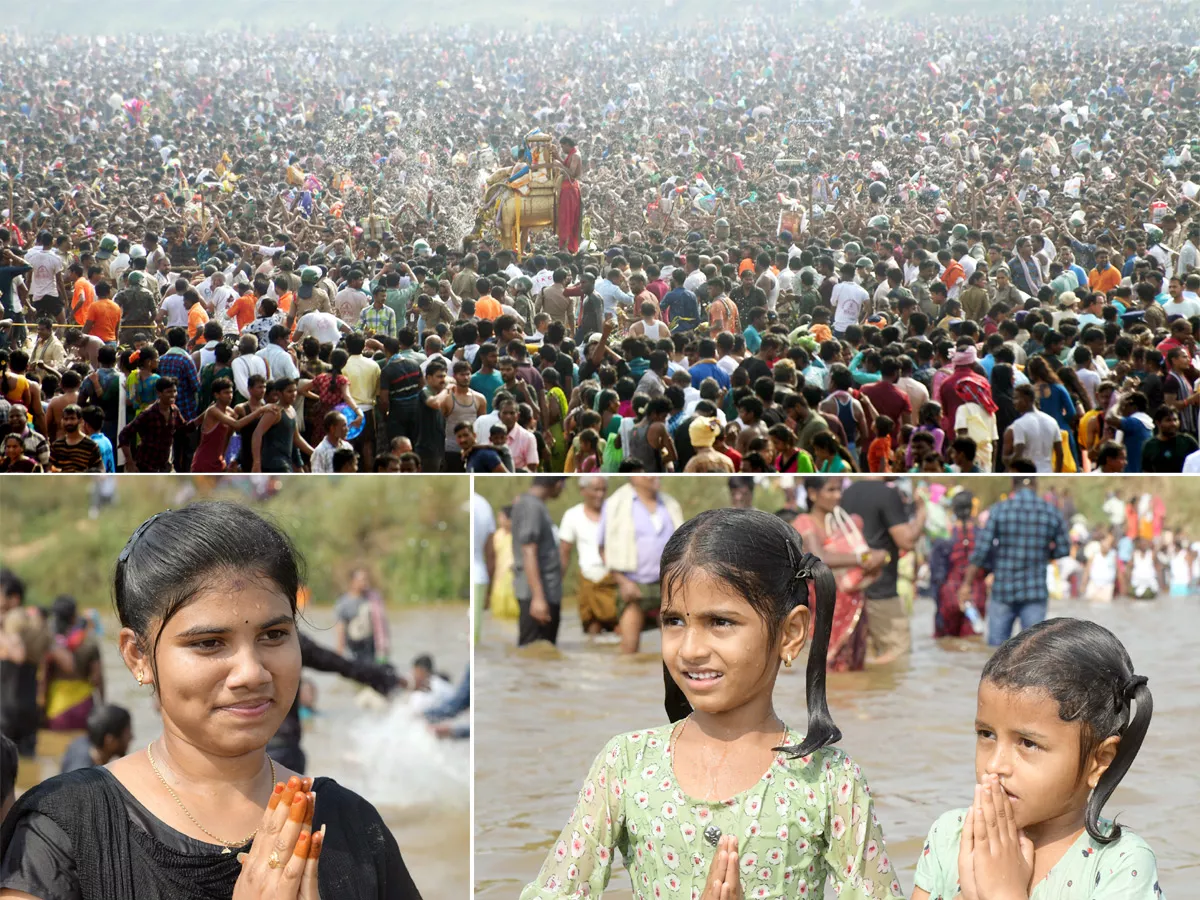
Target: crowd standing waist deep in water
{"points": [[874, 245]]}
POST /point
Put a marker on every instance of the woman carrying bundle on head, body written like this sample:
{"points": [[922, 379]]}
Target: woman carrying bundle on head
{"points": [[728, 802]]}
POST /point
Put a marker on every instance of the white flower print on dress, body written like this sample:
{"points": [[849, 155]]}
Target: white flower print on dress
{"points": [[838, 827], [753, 805], [657, 891], [697, 863], [573, 872], [802, 846], [642, 799], [560, 851], [885, 864], [788, 875], [761, 892], [753, 829], [673, 883], [665, 785], [702, 814], [657, 828], [782, 833], [695, 893], [589, 824], [802, 820], [670, 858], [689, 831], [844, 791], [782, 804], [749, 861], [774, 856], [801, 888], [551, 883], [650, 773], [604, 855], [668, 810], [769, 776], [860, 834], [589, 792], [810, 797], [764, 874], [872, 849], [792, 784], [855, 814], [635, 738]]}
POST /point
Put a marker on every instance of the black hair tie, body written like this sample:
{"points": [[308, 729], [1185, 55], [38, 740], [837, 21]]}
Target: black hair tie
{"points": [[1133, 684], [133, 538]]}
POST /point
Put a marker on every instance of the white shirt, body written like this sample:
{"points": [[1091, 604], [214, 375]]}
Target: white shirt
{"points": [[584, 533], [1090, 381], [46, 265], [1038, 432], [279, 362], [1191, 465], [847, 299], [542, 280], [349, 303], [694, 280], [1189, 257], [177, 316], [322, 458], [483, 427], [483, 526], [245, 366], [773, 292], [221, 299], [321, 325], [1186, 308]]}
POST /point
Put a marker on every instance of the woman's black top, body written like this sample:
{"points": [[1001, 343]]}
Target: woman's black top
{"points": [[84, 836]]}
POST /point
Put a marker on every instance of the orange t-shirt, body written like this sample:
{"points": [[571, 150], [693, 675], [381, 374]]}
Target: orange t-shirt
{"points": [[745, 264], [106, 317], [488, 308], [722, 316], [82, 298], [879, 453], [197, 318], [243, 310], [1105, 281], [285, 302]]}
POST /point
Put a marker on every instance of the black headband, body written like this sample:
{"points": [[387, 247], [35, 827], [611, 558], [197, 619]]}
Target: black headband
{"points": [[133, 538]]}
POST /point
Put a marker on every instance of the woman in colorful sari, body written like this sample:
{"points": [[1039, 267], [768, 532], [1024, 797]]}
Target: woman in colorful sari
{"points": [[556, 402], [73, 671], [948, 564], [836, 538], [570, 203]]}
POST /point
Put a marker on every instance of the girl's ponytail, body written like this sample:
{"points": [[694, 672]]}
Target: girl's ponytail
{"points": [[813, 575], [1135, 693]]}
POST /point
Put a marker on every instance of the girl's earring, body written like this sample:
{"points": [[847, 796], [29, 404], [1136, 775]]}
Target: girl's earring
{"points": [[787, 661], [139, 679]]}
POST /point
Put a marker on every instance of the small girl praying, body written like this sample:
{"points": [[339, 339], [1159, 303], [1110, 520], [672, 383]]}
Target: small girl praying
{"points": [[728, 802], [1060, 717]]}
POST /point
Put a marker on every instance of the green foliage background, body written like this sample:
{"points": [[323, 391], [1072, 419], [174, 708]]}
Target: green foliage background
{"points": [[412, 532]]}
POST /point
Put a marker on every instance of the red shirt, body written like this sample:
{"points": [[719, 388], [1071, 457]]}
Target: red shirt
{"points": [[889, 401]]}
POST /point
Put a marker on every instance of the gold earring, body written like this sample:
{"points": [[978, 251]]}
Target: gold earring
{"points": [[787, 662], [139, 679]]}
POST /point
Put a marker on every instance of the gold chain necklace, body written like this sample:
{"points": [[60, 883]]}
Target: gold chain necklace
{"points": [[222, 841]]}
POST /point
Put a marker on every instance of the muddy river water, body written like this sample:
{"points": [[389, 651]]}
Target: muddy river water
{"points": [[542, 715]]}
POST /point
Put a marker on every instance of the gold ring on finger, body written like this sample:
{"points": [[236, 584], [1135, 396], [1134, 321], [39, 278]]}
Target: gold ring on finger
{"points": [[273, 860]]}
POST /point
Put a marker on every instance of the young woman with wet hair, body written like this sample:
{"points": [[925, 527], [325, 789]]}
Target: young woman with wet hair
{"points": [[728, 802], [206, 597]]}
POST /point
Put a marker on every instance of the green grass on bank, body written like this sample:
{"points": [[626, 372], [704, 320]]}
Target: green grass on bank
{"points": [[411, 532]]}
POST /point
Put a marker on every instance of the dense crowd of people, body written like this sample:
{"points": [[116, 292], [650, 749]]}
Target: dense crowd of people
{"points": [[848, 249]]}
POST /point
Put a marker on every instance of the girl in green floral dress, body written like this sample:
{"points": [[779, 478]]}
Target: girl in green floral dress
{"points": [[728, 802], [1060, 717]]}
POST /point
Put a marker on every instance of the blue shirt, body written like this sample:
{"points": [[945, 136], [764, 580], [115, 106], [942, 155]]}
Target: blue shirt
{"points": [[683, 307], [178, 365], [1136, 432], [753, 339], [1079, 274], [1021, 536], [106, 451], [709, 369]]}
